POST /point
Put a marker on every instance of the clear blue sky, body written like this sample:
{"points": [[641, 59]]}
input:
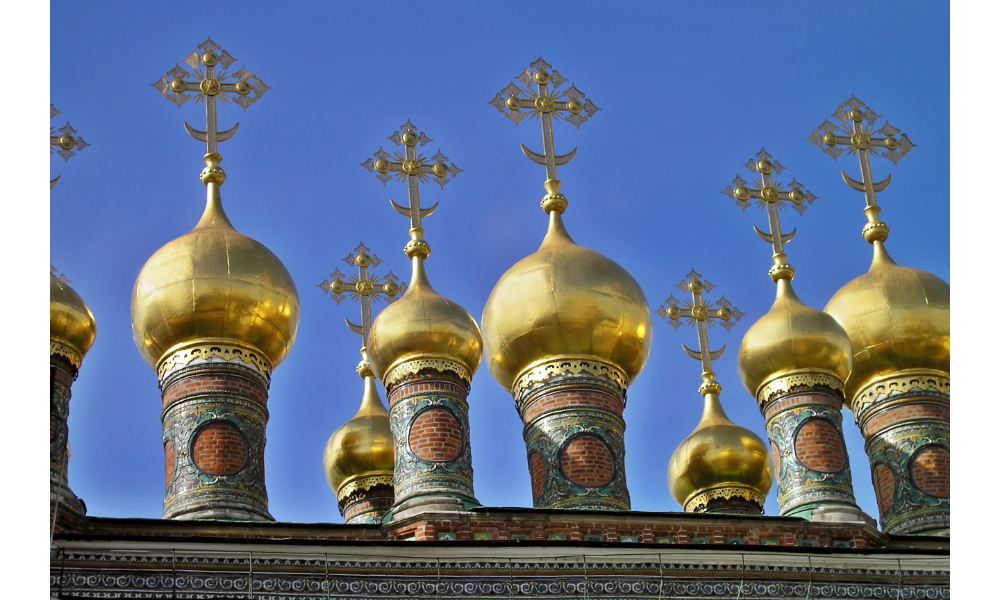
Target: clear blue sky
{"points": [[688, 92]]}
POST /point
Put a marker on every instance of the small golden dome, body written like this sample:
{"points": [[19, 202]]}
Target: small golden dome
{"points": [[214, 283], [719, 460], [896, 318], [71, 323], [792, 337], [423, 323], [565, 300], [363, 446]]}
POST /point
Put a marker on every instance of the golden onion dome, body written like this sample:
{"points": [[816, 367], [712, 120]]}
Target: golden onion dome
{"points": [[719, 459], [565, 300], [71, 324], [422, 323], [363, 446], [896, 318], [792, 337], [214, 283]]}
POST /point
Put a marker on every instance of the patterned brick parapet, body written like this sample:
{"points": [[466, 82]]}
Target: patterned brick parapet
{"points": [[429, 418], [575, 438], [214, 415], [905, 421], [804, 426], [70, 510]]}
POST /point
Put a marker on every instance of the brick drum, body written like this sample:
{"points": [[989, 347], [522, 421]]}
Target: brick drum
{"points": [[168, 450], [776, 457], [818, 447], [436, 436], [219, 449], [536, 467], [930, 470], [586, 460], [885, 487]]}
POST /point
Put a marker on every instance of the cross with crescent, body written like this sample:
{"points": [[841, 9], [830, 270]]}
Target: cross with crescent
{"points": [[362, 287], [771, 197], [413, 168], [242, 87], [858, 135], [66, 142], [546, 104], [702, 315]]}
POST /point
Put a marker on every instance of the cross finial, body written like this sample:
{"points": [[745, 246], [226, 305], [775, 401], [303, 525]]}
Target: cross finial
{"points": [[242, 87], [858, 135], [61, 276], [362, 287], [771, 196], [536, 100], [413, 168], [67, 144], [701, 314]]}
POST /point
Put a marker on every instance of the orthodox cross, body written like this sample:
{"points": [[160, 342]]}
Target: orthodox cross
{"points": [[208, 85], [67, 144], [362, 287], [771, 197], [702, 315], [857, 134], [414, 169], [546, 104], [61, 277]]}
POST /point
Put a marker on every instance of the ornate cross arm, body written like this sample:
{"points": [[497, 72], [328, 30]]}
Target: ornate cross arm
{"points": [[517, 102], [362, 287], [241, 87], [701, 314], [67, 142], [414, 169], [857, 134], [771, 196]]}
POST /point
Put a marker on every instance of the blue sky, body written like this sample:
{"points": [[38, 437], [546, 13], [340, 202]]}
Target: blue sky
{"points": [[688, 93]]}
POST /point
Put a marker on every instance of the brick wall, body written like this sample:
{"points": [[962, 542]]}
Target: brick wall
{"points": [[586, 460], [819, 447], [930, 469], [219, 449], [436, 436]]}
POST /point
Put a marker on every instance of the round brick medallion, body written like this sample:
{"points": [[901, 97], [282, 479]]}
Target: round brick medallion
{"points": [[885, 487], [536, 467], [586, 460], [168, 450], [219, 449], [436, 436], [930, 469], [819, 447]]}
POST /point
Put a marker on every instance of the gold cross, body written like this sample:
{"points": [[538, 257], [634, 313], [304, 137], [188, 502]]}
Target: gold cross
{"points": [[413, 168], [362, 287], [545, 104], [702, 315], [67, 144], [209, 85], [61, 277], [857, 134], [771, 197]]}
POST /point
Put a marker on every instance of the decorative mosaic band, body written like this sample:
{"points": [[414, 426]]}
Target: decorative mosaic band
{"points": [[364, 483], [62, 380], [58, 348], [214, 445], [785, 384], [699, 502], [542, 371], [212, 351], [431, 431], [811, 461], [900, 383], [410, 367]]}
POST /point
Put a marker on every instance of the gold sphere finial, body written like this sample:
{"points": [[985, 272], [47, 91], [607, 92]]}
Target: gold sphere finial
{"points": [[212, 173], [210, 59], [541, 76], [364, 368], [409, 138], [765, 166], [553, 200]]}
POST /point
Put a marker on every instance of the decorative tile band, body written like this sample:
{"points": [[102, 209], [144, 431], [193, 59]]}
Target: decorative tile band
{"points": [[900, 383], [57, 348], [785, 384], [542, 371], [700, 501], [209, 350], [412, 365]]}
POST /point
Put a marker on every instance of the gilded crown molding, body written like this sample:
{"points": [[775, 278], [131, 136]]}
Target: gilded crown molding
{"points": [[544, 370], [364, 482], [784, 383], [900, 383], [725, 492], [59, 348], [208, 350], [411, 365]]}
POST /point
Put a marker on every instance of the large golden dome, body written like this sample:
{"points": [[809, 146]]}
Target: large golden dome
{"points": [[214, 283], [71, 324], [719, 460], [792, 337], [363, 446], [422, 323], [565, 300], [896, 318]]}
